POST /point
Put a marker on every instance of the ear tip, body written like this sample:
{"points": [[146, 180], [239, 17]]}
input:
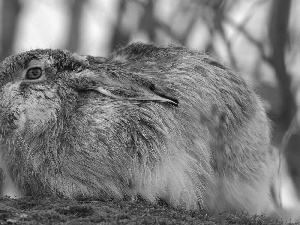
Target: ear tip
{"points": [[168, 98], [175, 102]]}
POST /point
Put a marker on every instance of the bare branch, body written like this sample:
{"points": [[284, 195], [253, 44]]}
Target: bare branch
{"points": [[251, 39], [159, 24]]}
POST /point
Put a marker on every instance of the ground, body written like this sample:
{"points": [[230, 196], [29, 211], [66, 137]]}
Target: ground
{"points": [[31, 210]]}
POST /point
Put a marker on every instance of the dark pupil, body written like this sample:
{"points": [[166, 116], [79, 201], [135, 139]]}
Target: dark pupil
{"points": [[34, 73]]}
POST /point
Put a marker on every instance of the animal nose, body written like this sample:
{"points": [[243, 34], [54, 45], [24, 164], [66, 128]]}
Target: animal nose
{"points": [[8, 120], [12, 117]]}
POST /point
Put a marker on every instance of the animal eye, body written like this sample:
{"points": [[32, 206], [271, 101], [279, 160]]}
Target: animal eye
{"points": [[34, 73]]}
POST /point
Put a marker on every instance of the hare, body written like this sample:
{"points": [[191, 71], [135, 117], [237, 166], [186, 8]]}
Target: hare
{"points": [[160, 122]]}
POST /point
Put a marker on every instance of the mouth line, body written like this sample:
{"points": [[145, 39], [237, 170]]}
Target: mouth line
{"points": [[11, 139]]}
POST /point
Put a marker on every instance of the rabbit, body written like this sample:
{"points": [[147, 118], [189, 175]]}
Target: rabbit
{"points": [[161, 122]]}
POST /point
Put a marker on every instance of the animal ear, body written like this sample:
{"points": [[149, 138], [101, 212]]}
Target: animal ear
{"points": [[143, 96], [118, 88]]}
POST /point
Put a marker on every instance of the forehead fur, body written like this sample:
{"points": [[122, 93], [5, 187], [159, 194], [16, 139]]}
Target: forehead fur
{"points": [[59, 59]]}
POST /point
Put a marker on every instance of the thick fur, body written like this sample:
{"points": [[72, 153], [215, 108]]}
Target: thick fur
{"points": [[160, 122]]}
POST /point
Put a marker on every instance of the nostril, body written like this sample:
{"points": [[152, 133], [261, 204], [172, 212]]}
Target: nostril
{"points": [[23, 86], [12, 117], [9, 120]]}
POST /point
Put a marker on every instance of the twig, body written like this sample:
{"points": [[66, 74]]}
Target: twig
{"points": [[160, 24], [257, 43]]}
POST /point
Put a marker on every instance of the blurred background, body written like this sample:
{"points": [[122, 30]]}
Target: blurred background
{"points": [[260, 39]]}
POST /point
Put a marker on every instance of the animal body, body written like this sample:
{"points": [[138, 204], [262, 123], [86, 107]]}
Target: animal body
{"points": [[160, 122]]}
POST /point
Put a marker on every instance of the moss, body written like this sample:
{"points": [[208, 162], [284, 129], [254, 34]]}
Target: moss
{"points": [[31, 210]]}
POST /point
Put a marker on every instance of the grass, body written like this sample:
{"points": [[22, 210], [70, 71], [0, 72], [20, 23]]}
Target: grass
{"points": [[29, 210]]}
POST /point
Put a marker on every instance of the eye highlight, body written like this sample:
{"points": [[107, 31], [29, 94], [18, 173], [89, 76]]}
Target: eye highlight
{"points": [[34, 73]]}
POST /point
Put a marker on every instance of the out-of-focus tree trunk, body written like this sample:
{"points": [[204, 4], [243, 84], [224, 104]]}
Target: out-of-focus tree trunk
{"points": [[147, 22], [74, 30], [278, 35], [119, 36], [9, 19]]}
